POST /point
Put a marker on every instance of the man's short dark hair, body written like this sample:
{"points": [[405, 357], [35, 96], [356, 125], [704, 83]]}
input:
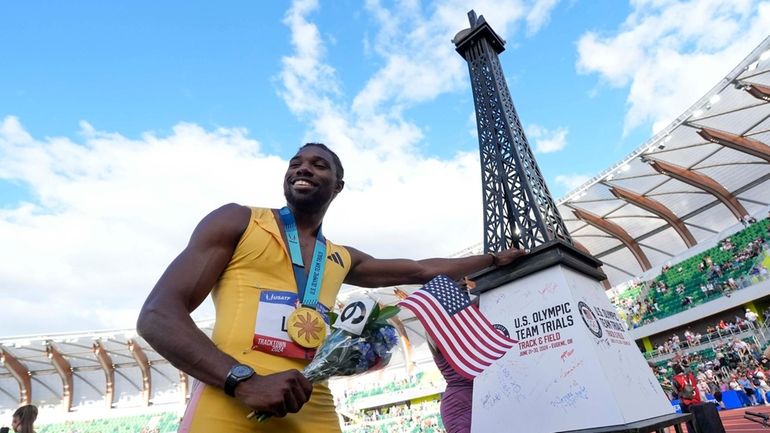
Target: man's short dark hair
{"points": [[336, 159]]}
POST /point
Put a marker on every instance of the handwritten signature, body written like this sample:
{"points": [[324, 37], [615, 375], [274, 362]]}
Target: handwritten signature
{"points": [[489, 400], [569, 371], [549, 288], [571, 398]]}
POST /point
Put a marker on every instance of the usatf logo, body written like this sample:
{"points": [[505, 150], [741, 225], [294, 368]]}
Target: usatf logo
{"points": [[589, 318], [336, 258], [502, 329]]}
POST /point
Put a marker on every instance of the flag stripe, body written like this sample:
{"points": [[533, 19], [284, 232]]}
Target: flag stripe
{"points": [[487, 325], [489, 330], [474, 337], [457, 363], [482, 335], [468, 341], [447, 337], [468, 344]]}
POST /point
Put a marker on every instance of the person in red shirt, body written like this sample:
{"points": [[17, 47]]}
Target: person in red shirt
{"points": [[685, 385]]}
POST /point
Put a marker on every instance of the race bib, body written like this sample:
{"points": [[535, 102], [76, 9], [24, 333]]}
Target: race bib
{"points": [[270, 331]]}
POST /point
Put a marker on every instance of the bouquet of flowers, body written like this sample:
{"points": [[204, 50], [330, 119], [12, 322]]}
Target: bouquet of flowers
{"points": [[351, 350]]}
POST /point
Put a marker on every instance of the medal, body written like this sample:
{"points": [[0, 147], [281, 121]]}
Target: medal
{"points": [[306, 327]]}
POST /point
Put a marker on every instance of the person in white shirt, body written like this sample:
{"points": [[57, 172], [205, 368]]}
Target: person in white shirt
{"points": [[751, 317]]}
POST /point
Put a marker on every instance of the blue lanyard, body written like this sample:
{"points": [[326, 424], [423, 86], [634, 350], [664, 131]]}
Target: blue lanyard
{"points": [[307, 288]]}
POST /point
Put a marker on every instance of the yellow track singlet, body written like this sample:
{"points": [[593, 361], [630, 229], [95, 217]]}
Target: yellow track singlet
{"points": [[259, 272]]}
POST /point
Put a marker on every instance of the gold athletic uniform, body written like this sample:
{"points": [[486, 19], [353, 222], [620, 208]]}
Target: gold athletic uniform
{"points": [[261, 266]]}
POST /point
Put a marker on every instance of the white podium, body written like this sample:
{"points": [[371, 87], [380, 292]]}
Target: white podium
{"points": [[575, 367]]}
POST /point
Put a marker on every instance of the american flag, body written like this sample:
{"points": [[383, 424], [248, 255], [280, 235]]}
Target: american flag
{"points": [[464, 336]]}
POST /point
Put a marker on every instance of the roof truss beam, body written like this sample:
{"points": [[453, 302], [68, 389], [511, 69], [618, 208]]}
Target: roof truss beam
{"points": [[618, 232], [184, 385], [105, 361], [698, 211], [759, 91], [700, 180], [144, 366], [19, 372], [64, 369], [746, 145], [658, 209]]}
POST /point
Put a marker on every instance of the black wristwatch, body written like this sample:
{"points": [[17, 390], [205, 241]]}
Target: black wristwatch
{"points": [[237, 374]]}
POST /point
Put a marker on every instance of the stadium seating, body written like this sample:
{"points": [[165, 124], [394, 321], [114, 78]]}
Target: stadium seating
{"points": [[687, 274], [387, 388], [167, 422], [400, 418]]}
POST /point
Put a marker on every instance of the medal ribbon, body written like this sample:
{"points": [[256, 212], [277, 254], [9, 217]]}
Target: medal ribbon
{"points": [[308, 286]]}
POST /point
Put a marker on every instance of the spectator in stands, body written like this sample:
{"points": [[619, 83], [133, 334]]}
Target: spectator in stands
{"points": [[748, 388], [760, 383], [726, 289], [722, 358], [240, 253], [762, 270], [674, 344], [734, 385], [727, 245], [751, 317], [23, 419], [680, 289], [689, 336], [685, 387]]}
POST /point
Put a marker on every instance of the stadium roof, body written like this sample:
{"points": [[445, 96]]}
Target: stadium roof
{"points": [[685, 185], [73, 369]]}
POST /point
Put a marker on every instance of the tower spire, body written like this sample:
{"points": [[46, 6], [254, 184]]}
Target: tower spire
{"points": [[518, 208]]}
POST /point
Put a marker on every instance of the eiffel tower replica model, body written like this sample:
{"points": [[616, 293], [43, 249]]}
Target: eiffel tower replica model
{"points": [[575, 368]]}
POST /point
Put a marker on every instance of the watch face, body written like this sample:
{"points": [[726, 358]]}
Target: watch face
{"points": [[240, 371]]}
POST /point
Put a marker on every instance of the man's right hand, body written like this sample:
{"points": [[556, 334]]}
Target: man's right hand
{"points": [[276, 394]]}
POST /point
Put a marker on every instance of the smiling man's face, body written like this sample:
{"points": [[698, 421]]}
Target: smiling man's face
{"points": [[311, 180]]}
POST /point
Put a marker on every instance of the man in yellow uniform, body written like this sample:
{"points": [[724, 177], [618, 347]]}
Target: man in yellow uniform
{"points": [[261, 267]]}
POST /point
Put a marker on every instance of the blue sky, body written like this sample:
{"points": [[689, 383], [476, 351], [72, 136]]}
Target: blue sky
{"points": [[121, 125], [145, 67]]}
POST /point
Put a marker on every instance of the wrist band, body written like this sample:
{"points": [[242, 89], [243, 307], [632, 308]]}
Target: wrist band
{"points": [[494, 258]]}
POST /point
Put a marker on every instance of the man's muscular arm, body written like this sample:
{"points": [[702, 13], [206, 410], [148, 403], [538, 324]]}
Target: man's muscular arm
{"points": [[165, 321], [367, 271]]}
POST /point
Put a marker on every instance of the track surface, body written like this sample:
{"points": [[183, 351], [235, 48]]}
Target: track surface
{"points": [[735, 423]]}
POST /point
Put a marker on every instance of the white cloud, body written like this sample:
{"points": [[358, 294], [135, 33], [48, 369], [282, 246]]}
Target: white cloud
{"points": [[547, 141], [420, 61], [539, 15], [572, 181], [670, 53], [110, 213]]}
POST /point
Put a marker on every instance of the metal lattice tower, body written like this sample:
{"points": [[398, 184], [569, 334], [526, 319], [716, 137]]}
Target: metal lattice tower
{"points": [[518, 209]]}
